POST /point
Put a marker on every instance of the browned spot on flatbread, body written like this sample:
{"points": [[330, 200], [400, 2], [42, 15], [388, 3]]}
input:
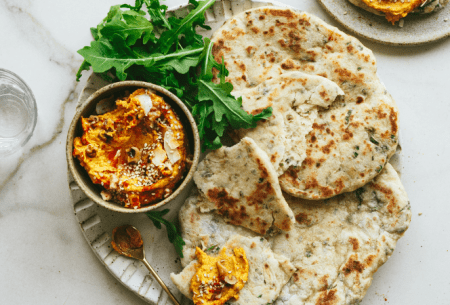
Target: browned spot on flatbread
{"points": [[309, 162], [255, 30], [282, 13], [353, 265], [393, 120], [328, 297], [359, 100], [302, 218], [346, 75], [226, 206], [249, 49], [369, 260], [327, 148], [354, 242], [326, 191], [347, 135], [287, 65], [339, 186], [389, 194]]}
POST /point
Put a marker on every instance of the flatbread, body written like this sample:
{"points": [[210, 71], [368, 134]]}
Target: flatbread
{"points": [[208, 231], [268, 272], [241, 184], [431, 6], [296, 99], [346, 146], [339, 244]]}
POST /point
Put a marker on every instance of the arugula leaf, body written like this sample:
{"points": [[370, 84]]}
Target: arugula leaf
{"points": [[197, 15], [130, 28], [172, 233], [225, 105], [103, 56]]}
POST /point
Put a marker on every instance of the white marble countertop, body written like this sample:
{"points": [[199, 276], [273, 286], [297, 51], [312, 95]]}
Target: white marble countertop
{"points": [[44, 258]]}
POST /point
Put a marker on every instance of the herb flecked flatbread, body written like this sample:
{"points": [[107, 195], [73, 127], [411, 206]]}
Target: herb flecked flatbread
{"points": [[268, 272], [352, 139], [339, 244], [240, 183], [336, 245]]}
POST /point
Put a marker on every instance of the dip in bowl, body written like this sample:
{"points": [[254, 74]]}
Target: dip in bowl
{"points": [[132, 146]]}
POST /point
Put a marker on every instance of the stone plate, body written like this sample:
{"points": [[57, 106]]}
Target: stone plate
{"points": [[417, 29], [97, 222]]}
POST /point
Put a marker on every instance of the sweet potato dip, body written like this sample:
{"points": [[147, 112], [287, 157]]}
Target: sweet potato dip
{"points": [[137, 151], [394, 9], [220, 278]]}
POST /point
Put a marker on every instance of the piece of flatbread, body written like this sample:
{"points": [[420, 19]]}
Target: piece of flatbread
{"points": [[208, 231], [241, 184], [429, 7], [296, 99], [357, 135], [339, 244], [268, 272]]}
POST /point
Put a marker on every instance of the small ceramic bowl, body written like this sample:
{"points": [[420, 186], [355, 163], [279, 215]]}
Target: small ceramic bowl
{"points": [[89, 107]]}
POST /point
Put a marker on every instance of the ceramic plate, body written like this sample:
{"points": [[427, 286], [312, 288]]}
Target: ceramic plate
{"points": [[97, 222], [417, 29]]}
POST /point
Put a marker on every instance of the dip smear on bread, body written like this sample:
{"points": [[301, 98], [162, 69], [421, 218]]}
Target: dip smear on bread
{"points": [[350, 141], [267, 272], [137, 151]]}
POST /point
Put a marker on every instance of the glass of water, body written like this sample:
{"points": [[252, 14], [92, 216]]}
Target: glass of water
{"points": [[18, 112]]}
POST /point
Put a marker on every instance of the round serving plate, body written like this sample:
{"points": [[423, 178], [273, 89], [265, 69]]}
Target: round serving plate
{"points": [[416, 30], [97, 222]]}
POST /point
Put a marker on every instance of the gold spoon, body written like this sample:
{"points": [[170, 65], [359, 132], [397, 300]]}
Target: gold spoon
{"points": [[127, 241]]}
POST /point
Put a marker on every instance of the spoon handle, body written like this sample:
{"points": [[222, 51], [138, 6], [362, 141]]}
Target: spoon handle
{"points": [[160, 281]]}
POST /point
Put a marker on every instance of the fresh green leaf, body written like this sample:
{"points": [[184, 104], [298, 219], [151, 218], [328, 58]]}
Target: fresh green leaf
{"points": [[172, 232], [130, 29], [196, 15], [226, 105]]}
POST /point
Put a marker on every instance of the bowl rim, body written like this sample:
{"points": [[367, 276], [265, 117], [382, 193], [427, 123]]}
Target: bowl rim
{"points": [[71, 160]]}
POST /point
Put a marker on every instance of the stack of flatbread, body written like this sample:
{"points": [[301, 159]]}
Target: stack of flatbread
{"points": [[309, 193]]}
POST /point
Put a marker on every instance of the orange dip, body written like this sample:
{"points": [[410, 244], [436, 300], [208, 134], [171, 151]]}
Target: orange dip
{"points": [[137, 151]]}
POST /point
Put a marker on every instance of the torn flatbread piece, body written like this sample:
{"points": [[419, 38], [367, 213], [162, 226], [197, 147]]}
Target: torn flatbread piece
{"points": [[339, 244], [296, 99], [241, 184], [268, 272], [351, 139], [208, 231]]}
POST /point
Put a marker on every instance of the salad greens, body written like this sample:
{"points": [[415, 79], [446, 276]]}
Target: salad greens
{"points": [[133, 44]]}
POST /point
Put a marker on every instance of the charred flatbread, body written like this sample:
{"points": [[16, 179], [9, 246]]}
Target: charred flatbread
{"points": [[296, 99], [338, 245], [347, 147], [240, 183]]}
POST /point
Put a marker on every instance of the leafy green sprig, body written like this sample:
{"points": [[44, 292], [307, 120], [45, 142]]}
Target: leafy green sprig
{"points": [[170, 53], [172, 232]]}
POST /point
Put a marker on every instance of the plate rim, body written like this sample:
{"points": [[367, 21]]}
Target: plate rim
{"points": [[340, 20]]}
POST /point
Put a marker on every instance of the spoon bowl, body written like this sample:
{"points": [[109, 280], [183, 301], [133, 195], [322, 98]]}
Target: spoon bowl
{"points": [[127, 241]]}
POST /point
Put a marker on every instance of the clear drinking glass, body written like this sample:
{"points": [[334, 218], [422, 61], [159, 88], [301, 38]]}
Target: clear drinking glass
{"points": [[18, 112]]}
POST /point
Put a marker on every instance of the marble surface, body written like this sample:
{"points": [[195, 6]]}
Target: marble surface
{"points": [[44, 258]]}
